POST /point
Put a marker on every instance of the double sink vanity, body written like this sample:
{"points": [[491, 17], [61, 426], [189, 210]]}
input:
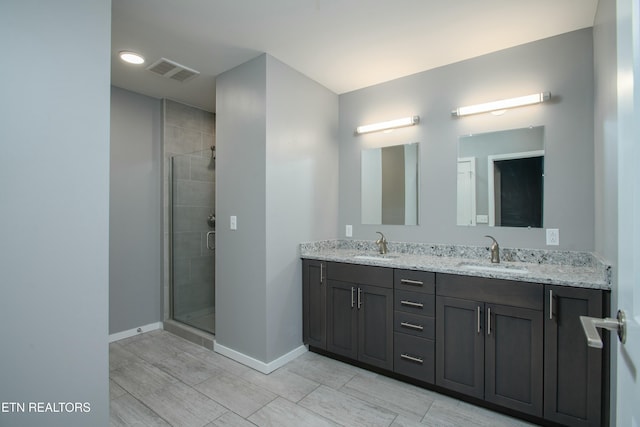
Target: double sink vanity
{"points": [[504, 335]]}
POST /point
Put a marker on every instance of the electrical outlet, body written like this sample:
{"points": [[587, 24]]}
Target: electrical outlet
{"points": [[553, 236], [348, 230], [233, 222]]}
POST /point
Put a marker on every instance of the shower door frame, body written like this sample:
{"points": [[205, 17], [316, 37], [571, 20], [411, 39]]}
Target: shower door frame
{"points": [[170, 244]]}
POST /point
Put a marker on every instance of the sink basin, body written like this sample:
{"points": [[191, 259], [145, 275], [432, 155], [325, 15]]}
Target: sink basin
{"points": [[494, 268], [375, 257]]}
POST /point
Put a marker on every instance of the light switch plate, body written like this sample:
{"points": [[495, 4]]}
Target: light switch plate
{"points": [[348, 230], [233, 222], [482, 219], [553, 236]]}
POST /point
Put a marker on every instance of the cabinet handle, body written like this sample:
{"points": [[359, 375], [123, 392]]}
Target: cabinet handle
{"points": [[321, 275], [412, 304], [411, 358], [411, 282], [478, 319], [359, 298], [412, 326], [550, 304], [352, 300], [489, 321]]}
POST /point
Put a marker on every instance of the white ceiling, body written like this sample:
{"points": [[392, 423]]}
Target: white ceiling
{"points": [[342, 44]]}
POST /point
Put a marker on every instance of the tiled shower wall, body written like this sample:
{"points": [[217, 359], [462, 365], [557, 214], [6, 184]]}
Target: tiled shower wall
{"points": [[188, 135]]}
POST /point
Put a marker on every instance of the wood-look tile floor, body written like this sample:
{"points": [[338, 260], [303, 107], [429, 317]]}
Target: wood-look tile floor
{"points": [[159, 379]]}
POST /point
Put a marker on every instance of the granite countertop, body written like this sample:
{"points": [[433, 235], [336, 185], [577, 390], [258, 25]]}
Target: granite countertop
{"points": [[563, 268]]}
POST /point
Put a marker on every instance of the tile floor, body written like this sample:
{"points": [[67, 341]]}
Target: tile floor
{"points": [[159, 379]]}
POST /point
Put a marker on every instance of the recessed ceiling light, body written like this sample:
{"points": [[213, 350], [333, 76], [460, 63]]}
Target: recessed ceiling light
{"points": [[131, 57]]}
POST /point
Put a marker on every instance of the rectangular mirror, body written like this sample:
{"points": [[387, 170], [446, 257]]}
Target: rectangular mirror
{"points": [[501, 178], [389, 177]]}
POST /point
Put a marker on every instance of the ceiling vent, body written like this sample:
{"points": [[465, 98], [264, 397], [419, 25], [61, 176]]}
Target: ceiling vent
{"points": [[172, 70]]}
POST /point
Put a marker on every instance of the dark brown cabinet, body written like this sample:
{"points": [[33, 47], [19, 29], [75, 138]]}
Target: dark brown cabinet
{"points": [[514, 344], [360, 313], [487, 349], [342, 319], [314, 303], [414, 324], [460, 345], [513, 358], [572, 370]]}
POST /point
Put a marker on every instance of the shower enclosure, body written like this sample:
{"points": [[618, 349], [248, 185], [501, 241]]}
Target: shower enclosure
{"points": [[192, 238]]}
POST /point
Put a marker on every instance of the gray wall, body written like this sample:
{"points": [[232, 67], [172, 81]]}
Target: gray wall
{"points": [[562, 65], [301, 192], [54, 219], [240, 189], [277, 172], [134, 211]]}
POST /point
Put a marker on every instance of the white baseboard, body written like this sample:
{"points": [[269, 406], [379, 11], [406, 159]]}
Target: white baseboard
{"points": [[135, 331], [265, 368]]}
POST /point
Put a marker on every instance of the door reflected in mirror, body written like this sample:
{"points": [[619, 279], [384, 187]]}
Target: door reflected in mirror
{"points": [[389, 190], [501, 178]]}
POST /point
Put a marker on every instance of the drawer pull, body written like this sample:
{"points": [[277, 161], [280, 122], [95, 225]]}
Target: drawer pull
{"points": [[411, 282], [412, 304], [411, 358], [412, 326]]}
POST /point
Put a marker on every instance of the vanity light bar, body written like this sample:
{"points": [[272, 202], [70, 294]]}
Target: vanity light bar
{"points": [[391, 124], [520, 101]]}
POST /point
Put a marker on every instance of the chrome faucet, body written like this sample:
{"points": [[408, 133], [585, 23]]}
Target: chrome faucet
{"points": [[495, 251], [382, 243]]}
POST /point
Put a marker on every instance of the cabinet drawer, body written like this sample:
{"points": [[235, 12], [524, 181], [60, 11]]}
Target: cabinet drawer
{"points": [[415, 302], [414, 357], [413, 324], [416, 281], [494, 291], [360, 274]]}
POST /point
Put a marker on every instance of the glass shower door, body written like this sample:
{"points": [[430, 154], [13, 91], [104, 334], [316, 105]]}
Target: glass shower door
{"points": [[192, 239]]}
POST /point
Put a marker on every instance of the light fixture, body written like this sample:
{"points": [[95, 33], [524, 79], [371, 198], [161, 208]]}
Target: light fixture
{"points": [[391, 124], [131, 57], [504, 104]]}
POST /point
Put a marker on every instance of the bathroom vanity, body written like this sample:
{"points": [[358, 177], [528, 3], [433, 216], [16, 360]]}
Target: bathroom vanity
{"points": [[507, 336]]}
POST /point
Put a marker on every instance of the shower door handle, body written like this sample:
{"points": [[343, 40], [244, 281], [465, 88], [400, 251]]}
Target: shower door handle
{"points": [[209, 234]]}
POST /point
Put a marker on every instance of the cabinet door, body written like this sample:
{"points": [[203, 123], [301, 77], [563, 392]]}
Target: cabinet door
{"points": [[513, 358], [572, 371], [460, 345], [375, 325], [314, 303], [342, 320]]}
